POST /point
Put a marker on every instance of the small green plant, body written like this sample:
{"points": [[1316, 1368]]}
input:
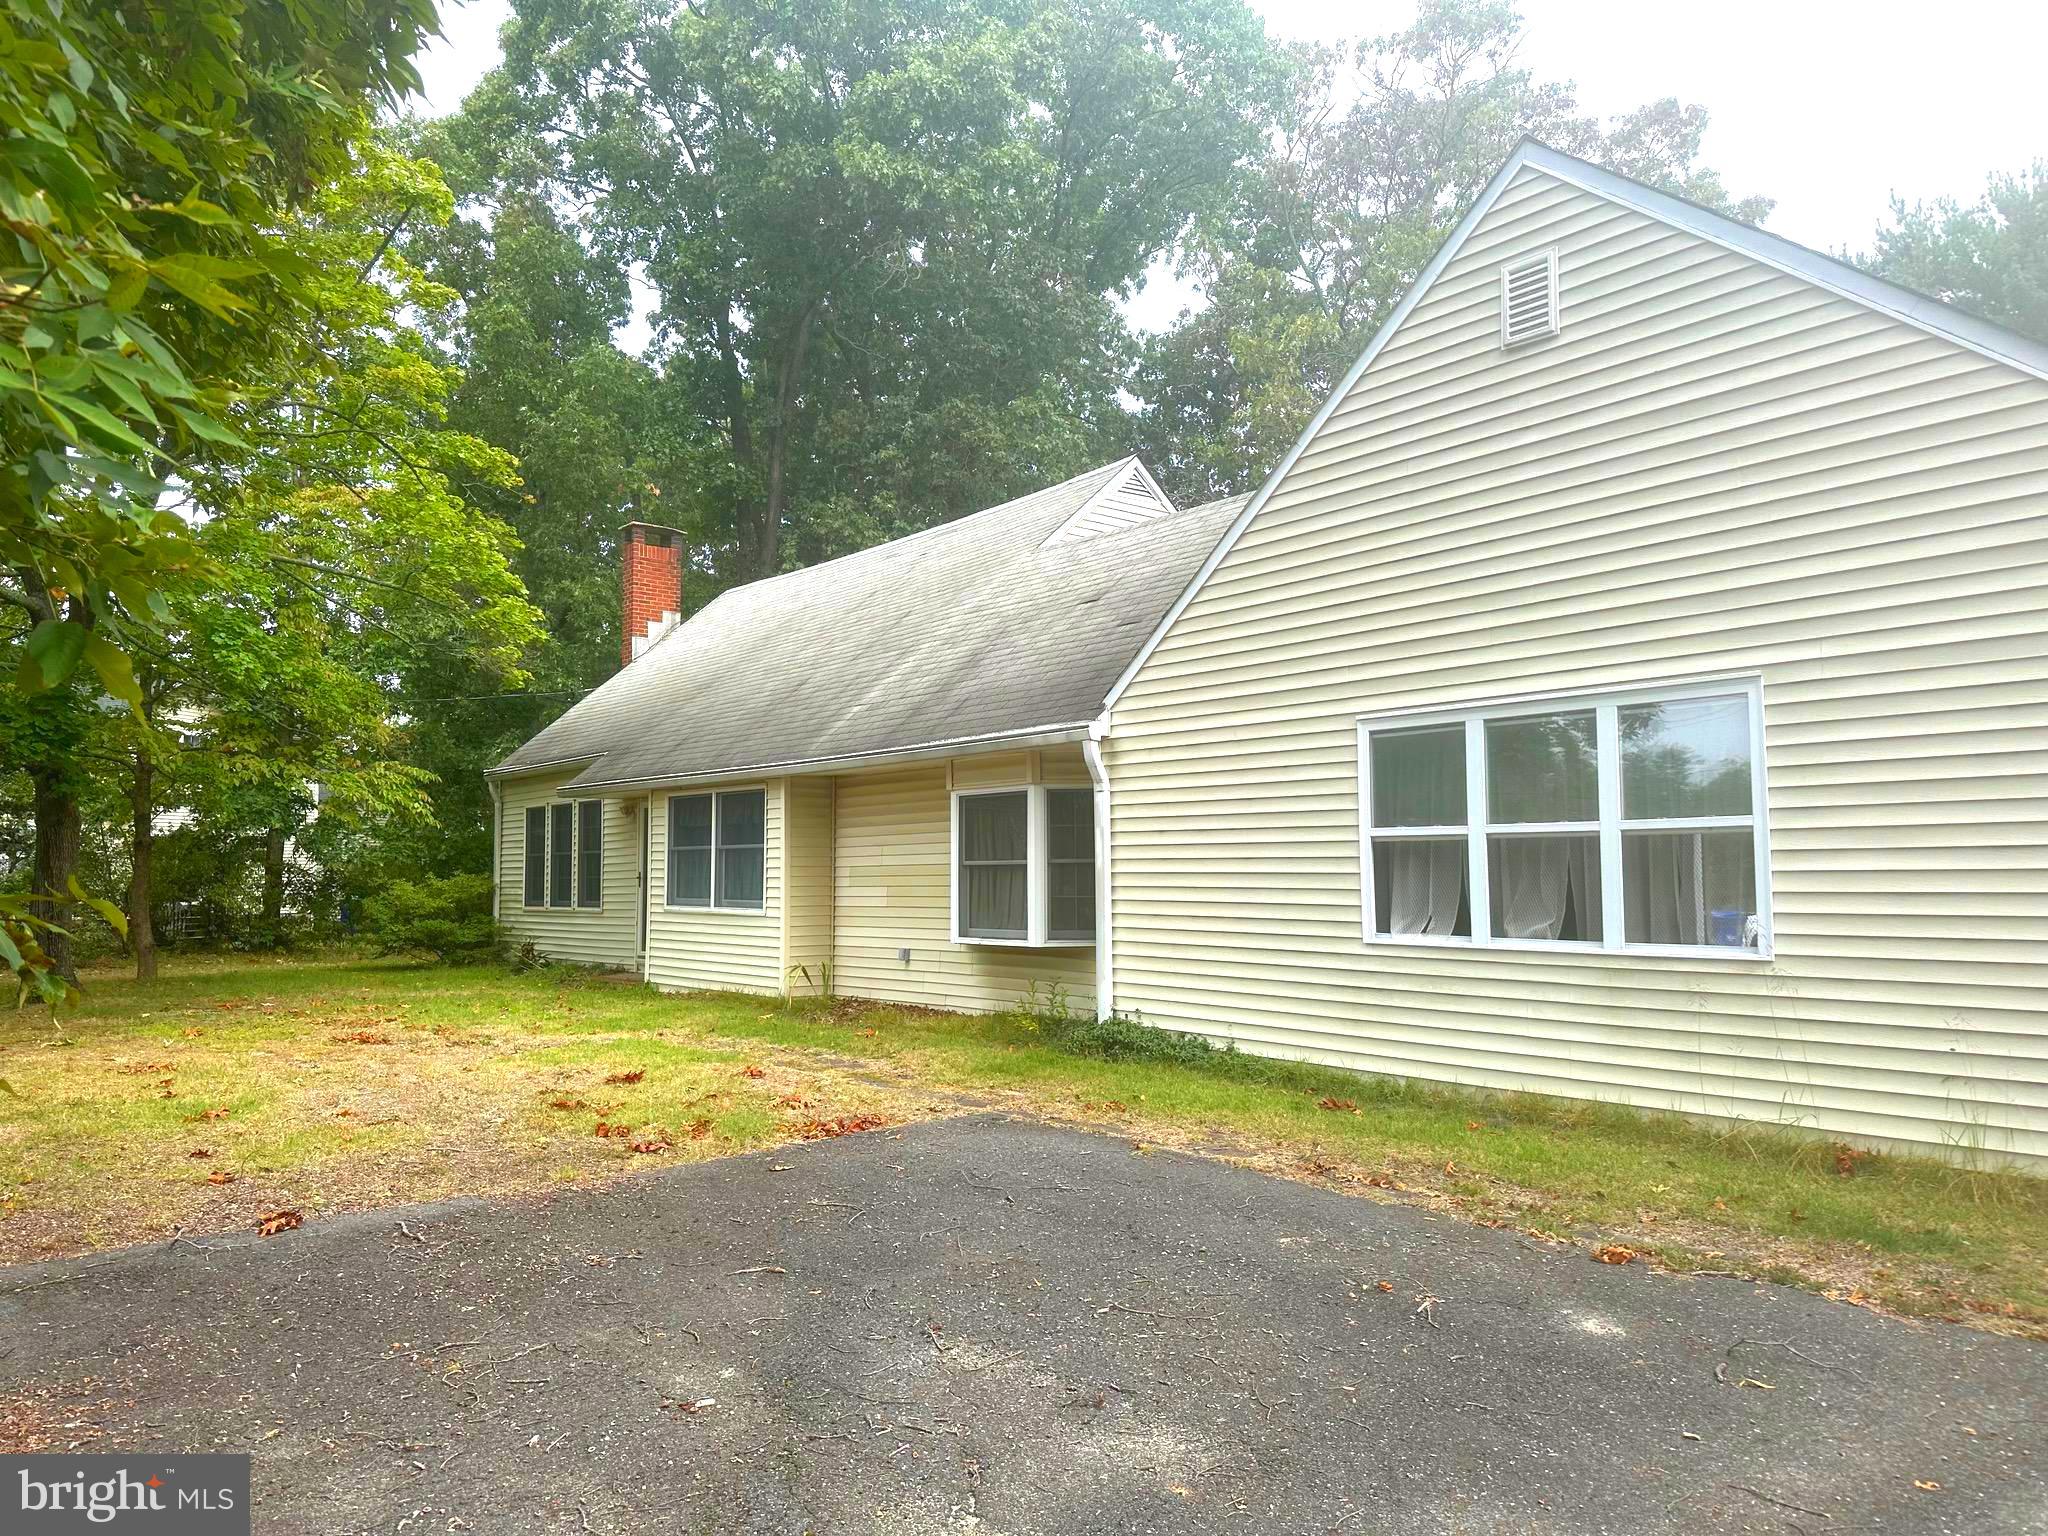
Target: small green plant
{"points": [[1120, 1037], [821, 987], [448, 918]]}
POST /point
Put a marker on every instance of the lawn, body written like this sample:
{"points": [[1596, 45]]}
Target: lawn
{"points": [[229, 1091]]}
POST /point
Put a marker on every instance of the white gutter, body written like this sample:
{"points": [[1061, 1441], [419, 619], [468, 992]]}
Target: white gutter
{"points": [[923, 752], [1105, 930]]}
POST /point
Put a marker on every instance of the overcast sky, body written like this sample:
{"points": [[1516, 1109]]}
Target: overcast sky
{"points": [[1828, 107]]}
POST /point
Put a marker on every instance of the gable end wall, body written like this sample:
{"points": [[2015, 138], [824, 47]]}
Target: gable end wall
{"points": [[1715, 469]]}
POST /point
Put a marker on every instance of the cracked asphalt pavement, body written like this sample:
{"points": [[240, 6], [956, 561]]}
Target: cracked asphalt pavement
{"points": [[991, 1325]]}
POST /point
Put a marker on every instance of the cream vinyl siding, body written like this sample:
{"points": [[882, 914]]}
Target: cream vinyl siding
{"points": [[892, 882], [1714, 470], [807, 879], [609, 935], [692, 949]]}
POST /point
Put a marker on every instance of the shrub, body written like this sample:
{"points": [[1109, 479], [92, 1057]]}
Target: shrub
{"points": [[1120, 1037], [448, 918]]}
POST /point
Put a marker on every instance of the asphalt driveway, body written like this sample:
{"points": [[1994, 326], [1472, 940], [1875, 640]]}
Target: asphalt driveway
{"points": [[1001, 1327]]}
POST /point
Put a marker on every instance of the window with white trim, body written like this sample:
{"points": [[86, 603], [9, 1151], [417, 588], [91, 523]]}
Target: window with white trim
{"points": [[1024, 865], [717, 849], [1626, 821]]}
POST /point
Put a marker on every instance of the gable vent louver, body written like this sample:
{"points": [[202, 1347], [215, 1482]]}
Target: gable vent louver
{"points": [[1528, 299]]}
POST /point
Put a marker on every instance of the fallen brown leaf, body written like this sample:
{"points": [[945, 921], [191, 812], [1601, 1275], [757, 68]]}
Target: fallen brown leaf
{"points": [[279, 1221], [1338, 1104], [1614, 1253], [844, 1125], [362, 1037], [220, 1176], [750, 1070], [627, 1077]]}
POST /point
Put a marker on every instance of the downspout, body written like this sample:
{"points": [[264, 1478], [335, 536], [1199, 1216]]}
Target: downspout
{"points": [[497, 843], [1105, 958]]}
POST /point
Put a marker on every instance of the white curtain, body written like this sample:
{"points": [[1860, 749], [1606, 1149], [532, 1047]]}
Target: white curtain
{"points": [[1427, 884], [1666, 889], [1543, 877]]}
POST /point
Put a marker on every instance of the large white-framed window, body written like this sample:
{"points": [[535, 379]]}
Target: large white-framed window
{"points": [[1632, 820], [717, 849], [1024, 865]]}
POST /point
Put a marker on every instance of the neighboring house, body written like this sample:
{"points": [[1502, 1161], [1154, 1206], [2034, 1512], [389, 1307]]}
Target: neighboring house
{"points": [[1632, 686]]}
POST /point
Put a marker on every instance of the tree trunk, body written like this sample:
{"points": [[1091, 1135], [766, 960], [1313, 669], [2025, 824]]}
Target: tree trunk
{"points": [[770, 548], [57, 838], [273, 887], [141, 932]]}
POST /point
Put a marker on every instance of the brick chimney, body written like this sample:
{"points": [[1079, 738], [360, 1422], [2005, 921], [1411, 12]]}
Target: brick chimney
{"points": [[650, 584]]}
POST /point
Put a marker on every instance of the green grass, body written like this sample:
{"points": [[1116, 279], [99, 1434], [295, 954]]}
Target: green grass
{"points": [[479, 1054]]}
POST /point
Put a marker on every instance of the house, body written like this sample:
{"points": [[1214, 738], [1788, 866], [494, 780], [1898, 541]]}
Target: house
{"points": [[1632, 686], [787, 776]]}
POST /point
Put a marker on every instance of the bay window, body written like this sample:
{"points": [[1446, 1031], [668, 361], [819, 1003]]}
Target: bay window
{"points": [[1628, 821], [1024, 866]]}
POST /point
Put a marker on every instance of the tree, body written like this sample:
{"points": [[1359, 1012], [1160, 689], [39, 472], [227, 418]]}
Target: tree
{"points": [[886, 236], [352, 578], [145, 152], [1379, 148], [1990, 257]]}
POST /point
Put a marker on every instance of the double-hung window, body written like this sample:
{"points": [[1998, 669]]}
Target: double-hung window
{"points": [[589, 853], [561, 852], [717, 849], [1626, 821], [1024, 866], [536, 894]]}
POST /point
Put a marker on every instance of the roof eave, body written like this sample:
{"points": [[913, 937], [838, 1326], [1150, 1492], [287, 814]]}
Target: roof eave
{"points": [[917, 752], [511, 770]]}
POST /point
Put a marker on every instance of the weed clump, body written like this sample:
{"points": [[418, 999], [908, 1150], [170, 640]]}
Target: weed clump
{"points": [[1122, 1037]]}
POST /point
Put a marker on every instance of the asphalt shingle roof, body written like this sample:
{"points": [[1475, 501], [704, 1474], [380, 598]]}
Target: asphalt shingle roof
{"points": [[970, 629]]}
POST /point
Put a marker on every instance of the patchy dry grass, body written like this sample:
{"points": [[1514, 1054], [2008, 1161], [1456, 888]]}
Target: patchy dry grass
{"points": [[348, 1084]]}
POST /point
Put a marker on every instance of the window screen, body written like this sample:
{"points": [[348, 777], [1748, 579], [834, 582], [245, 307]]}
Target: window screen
{"points": [[995, 890], [1070, 863], [589, 853], [689, 851], [742, 847], [561, 852], [536, 856]]}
